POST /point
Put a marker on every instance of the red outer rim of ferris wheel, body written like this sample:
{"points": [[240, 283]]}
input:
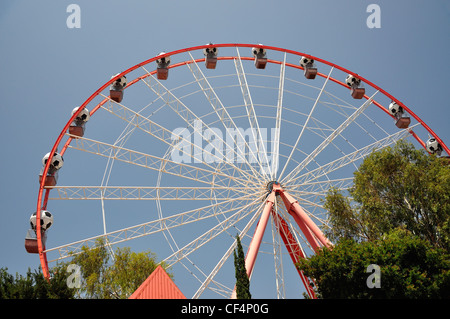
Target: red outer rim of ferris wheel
{"points": [[41, 196]]}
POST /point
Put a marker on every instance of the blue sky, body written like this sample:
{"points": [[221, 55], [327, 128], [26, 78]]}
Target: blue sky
{"points": [[48, 68]]}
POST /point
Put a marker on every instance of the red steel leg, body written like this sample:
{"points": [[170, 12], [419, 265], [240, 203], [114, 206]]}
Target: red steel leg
{"points": [[259, 233], [257, 238], [302, 219]]}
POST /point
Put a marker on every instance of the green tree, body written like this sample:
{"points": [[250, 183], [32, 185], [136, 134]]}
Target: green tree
{"points": [[56, 287], [242, 281], [93, 267], [129, 271], [410, 267], [35, 286], [18, 287], [396, 216], [103, 278], [398, 186]]}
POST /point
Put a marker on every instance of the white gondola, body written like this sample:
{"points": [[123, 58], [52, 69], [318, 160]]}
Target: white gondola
{"points": [[78, 126], [162, 71], [401, 120], [117, 87], [357, 91], [210, 57], [52, 173], [433, 146], [310, 70], [31, 244], [260, 57]]}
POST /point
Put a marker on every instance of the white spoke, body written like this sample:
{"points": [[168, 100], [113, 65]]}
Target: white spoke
{"points": [[319, 188], [323, 186], [276, 150], [146, 193]]}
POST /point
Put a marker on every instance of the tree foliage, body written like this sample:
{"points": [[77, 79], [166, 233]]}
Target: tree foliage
{"points": [[242, 281], [397, 216], [103, 278], [394, 187], [409, 268], [34, 285]]}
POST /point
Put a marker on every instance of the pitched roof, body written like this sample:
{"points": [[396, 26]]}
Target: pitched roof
{"points": [[158, 286]]}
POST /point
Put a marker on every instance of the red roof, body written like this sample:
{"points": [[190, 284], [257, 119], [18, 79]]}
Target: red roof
{"points": [[158, 286]]}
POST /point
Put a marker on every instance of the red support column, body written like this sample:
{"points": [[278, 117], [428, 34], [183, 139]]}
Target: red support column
{"points": [[303, 220], [259, 233], [257, 238], [305, 230]]}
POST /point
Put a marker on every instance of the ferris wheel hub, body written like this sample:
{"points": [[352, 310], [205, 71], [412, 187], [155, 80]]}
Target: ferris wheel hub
{"points": [[274, 185]]}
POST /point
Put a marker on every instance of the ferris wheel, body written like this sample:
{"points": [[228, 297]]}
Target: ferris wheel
{"points": [[183, 152]]}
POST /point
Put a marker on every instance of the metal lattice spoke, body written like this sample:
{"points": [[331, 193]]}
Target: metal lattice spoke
{"points": [[146, 193]]}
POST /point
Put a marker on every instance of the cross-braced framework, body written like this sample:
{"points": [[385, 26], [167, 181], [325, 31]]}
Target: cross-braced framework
{"points": [[216, 144]]}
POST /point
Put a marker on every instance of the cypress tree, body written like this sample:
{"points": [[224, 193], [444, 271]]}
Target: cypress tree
{"points": [[242, 281]]}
